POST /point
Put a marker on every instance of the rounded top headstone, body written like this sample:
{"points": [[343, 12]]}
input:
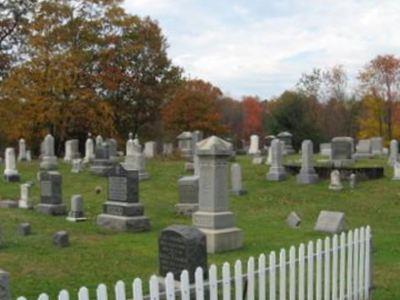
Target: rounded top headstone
{"points": [[214, 146], [130, 135]]}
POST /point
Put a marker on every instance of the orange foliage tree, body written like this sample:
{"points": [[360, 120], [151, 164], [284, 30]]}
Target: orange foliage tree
{"points": [[252, 116]]}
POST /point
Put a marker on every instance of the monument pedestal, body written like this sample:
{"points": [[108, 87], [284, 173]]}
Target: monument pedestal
{"points": [[307, 178], [226, 239], [124, 223], [276, 174], [186, 209], [11, 177], [8, 204], [101, 167], [49, 163], [52, 209]]}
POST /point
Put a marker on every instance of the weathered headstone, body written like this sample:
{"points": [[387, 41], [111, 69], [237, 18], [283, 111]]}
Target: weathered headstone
{"points": [[150, 149], [352, 180], [307, 173], [236, 180], [394, 152], [51, 194], [213, 217], [188, 188], [49, 160], [335, 184], [135, 159], [168, 149], [25, 200], [377, 145], [276, 170], [396, 171], [10, 172], [185, 144], [89, 149], [112, 149], [76, 214], [24, 229], [21, 150], [342, 151], [254, 145], [71, 150], [293, 220], [77, 165], [286, 137], [5, 293], [28, 155], [61, 239], [182, 248], [99, 140], [330, 222], [122, 210], [102, 162], [325, 149], [363, 149]]}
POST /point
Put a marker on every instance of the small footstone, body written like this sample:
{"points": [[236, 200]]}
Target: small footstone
{"points": [[8, 204], [61, 239], [24, 229], [330, 222], [293, 220]]}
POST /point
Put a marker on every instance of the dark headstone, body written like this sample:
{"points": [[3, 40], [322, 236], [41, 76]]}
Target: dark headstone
{"points": [[61, 239], [182, 248], [51, 194], [24, 229]]}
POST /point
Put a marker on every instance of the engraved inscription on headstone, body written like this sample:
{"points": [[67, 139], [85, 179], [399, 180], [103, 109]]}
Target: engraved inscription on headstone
{"points": [[114, 210], [45, 188], [117, 188]]}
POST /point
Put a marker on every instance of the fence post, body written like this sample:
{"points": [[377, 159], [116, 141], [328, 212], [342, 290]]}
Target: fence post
{"points": [[4, 285]]}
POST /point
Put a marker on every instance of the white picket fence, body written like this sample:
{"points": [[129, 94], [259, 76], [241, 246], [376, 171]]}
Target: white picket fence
{"points": [[337, 268]]}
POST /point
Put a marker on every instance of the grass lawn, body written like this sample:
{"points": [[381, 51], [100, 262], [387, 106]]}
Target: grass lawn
{"points": [[100, 256]]}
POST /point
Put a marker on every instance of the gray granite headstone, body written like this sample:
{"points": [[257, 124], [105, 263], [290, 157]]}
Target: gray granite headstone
{"points": [[363, 149], [353, 180], [276, 171], [377, 145], [102, 163], [182, 248], [325, 149], [307, 173], [394, 152], [236, 180], [49, 160], [286, 137], [51, 194], [61, 239], [188, 188], [330, 222], [5, 285], [185, 144], [293, 220], [22, 150], [342, 151], [76, 214]]}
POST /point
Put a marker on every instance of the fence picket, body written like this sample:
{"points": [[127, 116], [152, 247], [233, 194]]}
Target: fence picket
{"points": [[154, 288], [250, 278], [301, 271], [199, 283], [282, 275], [185, 288], [120, 290], [261, 277], [355, 265], [342, 267], [170, 286], [63, 295], [238, 280], [226, 282], [83, 293], [318, 273], [310, 271], [21, 298], [334, 267], [137, 291], [367, 269], [327, 269], [272, 276], [292, 273], [213, 282], [101, 292], [361, 263], [349, 265], [43, 296]]}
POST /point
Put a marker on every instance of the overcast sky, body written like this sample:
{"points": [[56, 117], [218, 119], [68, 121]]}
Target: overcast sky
{"points": [[261, 47]]}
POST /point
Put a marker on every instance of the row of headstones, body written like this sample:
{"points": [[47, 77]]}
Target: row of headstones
{"points": [[285, 137]]}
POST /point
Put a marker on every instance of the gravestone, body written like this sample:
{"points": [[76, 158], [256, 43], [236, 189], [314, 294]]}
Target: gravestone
{"points": [[330, 222], [135, 159], [394, 152], [51, 194], [25, 200], [293, 220], [77, 165], [268, 140], [254, 145], [182, 248], [112, 149], [335, 184], [71, 150], [197, 136], [10, 172], [150, 149], [24, 229], [4, 285], [122, 210], [188, 188], [236, 180], [377, 145], [257, 159], [28, 155], [325, 149], [342, 151], [22, 150], [185, 144], [8, 204], [99, 140], [396, 171], [352, 180], [213, 217], [363, 149], [168, 149], [89, 149], [76, 214], [286, 137], [61, 239], [269, 156], [102, 162], [49, 160], [307, 173], [276, 170]]}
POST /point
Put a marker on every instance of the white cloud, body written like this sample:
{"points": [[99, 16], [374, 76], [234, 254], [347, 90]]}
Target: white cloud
{"points": [[253, 48]]}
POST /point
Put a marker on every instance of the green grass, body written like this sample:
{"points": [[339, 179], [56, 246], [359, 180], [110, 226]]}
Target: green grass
{"points": [[100, 256]]}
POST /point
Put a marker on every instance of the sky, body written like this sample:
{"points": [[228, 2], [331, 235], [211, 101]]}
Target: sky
{"points": [[261, 47]]}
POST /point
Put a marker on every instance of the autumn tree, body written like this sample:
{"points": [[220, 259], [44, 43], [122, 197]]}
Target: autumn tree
{"points": [[380, 79], [231, 112], [194, 106], [252, 116]]}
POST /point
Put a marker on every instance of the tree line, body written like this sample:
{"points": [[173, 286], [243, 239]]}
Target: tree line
{"points": [[70, 67]]}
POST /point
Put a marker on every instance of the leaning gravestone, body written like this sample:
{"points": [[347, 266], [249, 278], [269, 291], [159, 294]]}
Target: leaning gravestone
{"points": [[21, 150], [182, 248], [51, 194], [10, 172], [101, 164], [394, 152], [4, 285], [330, 222], [188, 188], [122, 210], [342, 151], [49, 160], [236, 180], [276, 171], [213, 217], [307, 173]]}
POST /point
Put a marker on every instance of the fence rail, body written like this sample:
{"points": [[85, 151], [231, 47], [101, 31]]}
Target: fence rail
{"points": [[337, 267]]}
